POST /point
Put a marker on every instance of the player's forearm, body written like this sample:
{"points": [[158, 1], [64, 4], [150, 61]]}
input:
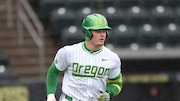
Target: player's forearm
{"points": [[52, 79], [115, 85]]}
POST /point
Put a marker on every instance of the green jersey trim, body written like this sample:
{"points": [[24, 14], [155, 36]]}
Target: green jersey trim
{"points": [[90, 51]]}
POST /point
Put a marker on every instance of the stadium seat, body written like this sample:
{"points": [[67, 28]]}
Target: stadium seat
{"points": [[123, 35], [114, 15], [128, 3], [177, 14], [172, 3], [152, 3], [6, 72], [138, 15], [106, 3], [171, 33], [77, 4], [149, 35], [71, 34], [61, 18], [162, 15], [47, 6], [3, 59], [83, 12]]}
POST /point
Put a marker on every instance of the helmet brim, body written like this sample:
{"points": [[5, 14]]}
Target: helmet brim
{"points": [[100, 28]]}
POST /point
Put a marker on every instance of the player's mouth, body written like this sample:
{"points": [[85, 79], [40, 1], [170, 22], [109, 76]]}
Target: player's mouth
{"points": [[102, 40]]}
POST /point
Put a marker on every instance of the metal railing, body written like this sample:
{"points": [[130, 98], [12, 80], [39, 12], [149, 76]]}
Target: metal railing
{"points": [[28, 18], [9, 13]]}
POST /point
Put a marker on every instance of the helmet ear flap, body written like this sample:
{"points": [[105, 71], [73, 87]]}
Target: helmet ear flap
{"points": [[107, 34], [87, 33]]}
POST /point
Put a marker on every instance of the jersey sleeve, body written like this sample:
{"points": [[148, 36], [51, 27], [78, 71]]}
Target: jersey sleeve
{"points": [[52, 79], [116, 69], [114, 83], [60, 59]]}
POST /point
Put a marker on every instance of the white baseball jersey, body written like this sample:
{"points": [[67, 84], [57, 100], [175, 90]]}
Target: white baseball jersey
{"points": [[85, 72]]}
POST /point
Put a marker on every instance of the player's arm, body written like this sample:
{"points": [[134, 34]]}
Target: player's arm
{"points": [[52, 81], [114, 86]]}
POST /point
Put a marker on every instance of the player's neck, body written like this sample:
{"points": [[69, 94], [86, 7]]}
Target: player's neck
{"points": [[91, 47]]}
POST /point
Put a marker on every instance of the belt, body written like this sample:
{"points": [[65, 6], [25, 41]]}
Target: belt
{"points": [[68, 98]]}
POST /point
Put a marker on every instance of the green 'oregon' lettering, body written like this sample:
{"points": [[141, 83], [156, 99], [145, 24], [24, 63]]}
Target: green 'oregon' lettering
{"points": [[101, 71], [94, 70], [89, 71], [75, 67], [81, 66]]}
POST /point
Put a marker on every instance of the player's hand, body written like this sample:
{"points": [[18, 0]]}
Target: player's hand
{"points": [[104, 96], [51, 97]]}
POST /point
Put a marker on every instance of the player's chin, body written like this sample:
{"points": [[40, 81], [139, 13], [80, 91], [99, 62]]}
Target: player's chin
{"points": [[100, 43]]}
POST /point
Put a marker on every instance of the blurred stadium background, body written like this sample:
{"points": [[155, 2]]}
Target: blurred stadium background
{"points": [[145, 34]]}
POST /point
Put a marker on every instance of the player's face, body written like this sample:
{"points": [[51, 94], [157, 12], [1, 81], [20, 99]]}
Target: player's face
{"points": [[99, 37]]}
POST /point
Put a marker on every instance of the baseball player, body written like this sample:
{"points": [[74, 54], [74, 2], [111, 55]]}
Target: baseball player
{"points": [[92, 72]]}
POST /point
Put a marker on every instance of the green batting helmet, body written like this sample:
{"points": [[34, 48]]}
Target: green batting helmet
{"points": [[94, 22]]}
